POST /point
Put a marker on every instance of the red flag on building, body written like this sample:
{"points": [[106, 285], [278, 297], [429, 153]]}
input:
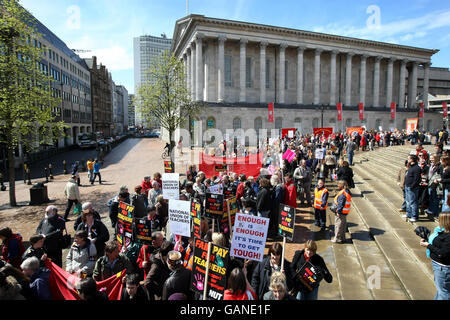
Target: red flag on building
{"points": [[339, 111], [361, 111], [421, 111], [63, 285], [393, 110], [444, 108], [271, 112]]}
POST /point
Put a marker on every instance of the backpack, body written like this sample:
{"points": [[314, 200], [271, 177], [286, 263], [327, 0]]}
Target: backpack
{"points": [[110, 202]]}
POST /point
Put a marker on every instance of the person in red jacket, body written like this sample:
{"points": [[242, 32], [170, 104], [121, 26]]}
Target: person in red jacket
{"points": [[157, 177], [146, 185], [238, 287], [290, 194], [12, 248], [144, 260], [240, 189]]}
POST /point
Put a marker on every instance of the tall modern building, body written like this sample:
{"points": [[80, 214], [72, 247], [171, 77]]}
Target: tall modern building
{"points": [[131, 112], [146, 50]]}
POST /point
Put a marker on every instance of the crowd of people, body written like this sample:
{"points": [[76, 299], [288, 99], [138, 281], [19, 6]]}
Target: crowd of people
{"points": [[162, 270]]}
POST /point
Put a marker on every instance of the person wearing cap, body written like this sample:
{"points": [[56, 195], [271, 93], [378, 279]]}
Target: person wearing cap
{"points": [[159, 271], [98, 234], [72, 193], [52, 227], [179, 280], [111, 263], [36, 249], [87, 206]]}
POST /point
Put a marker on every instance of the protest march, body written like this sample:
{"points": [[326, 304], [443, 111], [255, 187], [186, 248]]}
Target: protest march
{"points": [[221, 234]]}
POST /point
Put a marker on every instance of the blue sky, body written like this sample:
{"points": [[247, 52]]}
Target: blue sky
{"points": [[107, 27]]}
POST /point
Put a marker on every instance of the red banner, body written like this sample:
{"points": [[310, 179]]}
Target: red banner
{"points": [[393, 110], [288, 132], [63, 285], [250, 165], [271, 109], [339, 111], [350, 131], [421, 111], [445, 109], [361, 111], [325, 131]]}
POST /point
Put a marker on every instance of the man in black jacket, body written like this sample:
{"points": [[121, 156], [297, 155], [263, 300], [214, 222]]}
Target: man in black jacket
{"points": [[180, 278], [159, 271], [412, 182], [52, 227], [86, 206]]}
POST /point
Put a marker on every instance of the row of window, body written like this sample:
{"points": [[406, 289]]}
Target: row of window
{"points": [[249, 74], [258, 123]]}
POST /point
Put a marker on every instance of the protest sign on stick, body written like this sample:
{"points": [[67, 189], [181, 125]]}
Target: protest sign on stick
{"points": [[168, 167], [171, 186], [179, 217], [229, 215], [214, 205], [196, 219], [286, 224], [249, 237], [209, 269], [143, 229], [124, 226]]}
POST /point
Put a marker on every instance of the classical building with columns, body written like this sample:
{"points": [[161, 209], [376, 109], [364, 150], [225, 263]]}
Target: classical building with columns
{"points": [[237, 68]]}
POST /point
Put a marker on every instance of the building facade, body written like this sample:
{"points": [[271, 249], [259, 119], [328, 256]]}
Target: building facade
{"points": [[237, 68], [101, 97], [131, 112], [147, 49], [72, 84]]}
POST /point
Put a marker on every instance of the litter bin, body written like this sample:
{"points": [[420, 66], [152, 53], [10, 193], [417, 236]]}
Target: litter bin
{"points": [[38, 194]]}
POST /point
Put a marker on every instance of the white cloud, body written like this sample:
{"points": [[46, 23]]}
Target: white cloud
{"points": [[405, 30], [114, 58]]}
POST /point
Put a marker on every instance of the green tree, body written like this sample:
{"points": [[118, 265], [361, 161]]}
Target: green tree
{"points": [[165, 97], [27, 99]]}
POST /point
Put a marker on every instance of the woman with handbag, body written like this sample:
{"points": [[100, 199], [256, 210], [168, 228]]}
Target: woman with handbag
{"points": [[308, 254], [52, 227]]}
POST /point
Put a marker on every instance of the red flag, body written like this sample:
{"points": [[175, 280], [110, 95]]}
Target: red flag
{"points": [[421, 111], [444, 108], [63, 285], [393, 110], [339, 111], [361, 111], [271, 112]]}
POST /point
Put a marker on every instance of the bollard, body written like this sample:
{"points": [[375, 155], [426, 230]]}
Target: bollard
{"points": [[3, 187], [51, 171], [25, 168], [65, 167], [46, 174], [29, 177]]}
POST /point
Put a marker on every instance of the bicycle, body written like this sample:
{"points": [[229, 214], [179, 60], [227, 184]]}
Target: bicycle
{"points": [[166, 152]]}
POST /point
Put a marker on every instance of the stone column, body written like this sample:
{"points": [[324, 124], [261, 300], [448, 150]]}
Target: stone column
{"points": [[221, 69], [300, 51], [205, 91], [199, 67], [281, 78], [188, 69], [401, 91], [412, 85], [193, 69], [243, 56], [426, 84], [362, 80], [317, 76], [262, 72], [376, 82], [348, 79], [333, 78], [390, 82]]}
